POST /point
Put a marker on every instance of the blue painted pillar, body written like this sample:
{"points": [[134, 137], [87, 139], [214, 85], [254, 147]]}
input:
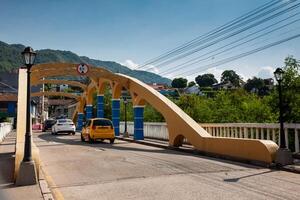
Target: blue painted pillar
{"points": [[79, 121], [116, 115], [11, 108], [100, 106], [89, 111], [138, 123]]}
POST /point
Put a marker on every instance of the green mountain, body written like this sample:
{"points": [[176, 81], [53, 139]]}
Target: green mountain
{"points": [[10, 59]]}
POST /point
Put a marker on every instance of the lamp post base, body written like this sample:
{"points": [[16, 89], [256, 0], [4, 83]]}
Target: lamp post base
{"points": [[27, 174], [125, 134], [284, 157]]}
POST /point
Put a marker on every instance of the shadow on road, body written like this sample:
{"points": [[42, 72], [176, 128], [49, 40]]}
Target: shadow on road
{"points": [[242, 177], [63, 139]]}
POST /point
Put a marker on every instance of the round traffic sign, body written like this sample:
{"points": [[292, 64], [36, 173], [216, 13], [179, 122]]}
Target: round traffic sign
{"points": [[82, 69]]}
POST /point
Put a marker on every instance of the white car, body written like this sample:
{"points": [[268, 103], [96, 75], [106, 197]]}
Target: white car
{"points": [[63, 126]]}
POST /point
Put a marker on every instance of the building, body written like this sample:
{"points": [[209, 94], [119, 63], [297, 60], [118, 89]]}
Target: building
{"points": [[164, 89], [8, 105], [193, 90], [158, 86]]}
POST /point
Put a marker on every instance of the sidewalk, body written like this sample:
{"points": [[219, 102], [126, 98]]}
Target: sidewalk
{"points": [[8, 190]]}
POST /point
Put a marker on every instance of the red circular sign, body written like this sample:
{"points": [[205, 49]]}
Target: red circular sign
{"points": [[82, 69]]}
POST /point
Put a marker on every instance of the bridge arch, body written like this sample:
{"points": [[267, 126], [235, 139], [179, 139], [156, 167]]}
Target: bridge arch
{"points": [[178, 122]]}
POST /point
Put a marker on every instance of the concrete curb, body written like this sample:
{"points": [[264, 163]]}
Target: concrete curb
{"points": [[46, 192]]}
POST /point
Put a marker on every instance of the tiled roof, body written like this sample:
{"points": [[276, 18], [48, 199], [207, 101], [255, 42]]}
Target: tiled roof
{"points": [[8, 97]]}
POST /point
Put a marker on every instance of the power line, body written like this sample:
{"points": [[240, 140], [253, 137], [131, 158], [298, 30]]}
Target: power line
{"points": [[230, 35], [230, 59], [197, 59], [223, 28]]}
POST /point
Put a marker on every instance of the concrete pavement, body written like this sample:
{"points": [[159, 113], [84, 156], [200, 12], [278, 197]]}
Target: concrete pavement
{"points": [[124, 170], [8, 191]]}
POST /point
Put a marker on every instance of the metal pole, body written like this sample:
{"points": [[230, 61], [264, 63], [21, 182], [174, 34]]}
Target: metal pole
{"points": [[27, 146], [43, 100], [282, 138], [125, 118]]}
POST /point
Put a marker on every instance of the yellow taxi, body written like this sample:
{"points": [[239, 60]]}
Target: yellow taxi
{"points": [[98, 128]]}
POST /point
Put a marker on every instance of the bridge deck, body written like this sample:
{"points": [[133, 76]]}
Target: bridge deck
{"points": [[133, 171]]}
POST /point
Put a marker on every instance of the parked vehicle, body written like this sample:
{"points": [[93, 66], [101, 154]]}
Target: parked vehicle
{"points": [[48, 124], [98, 128], [63, 126]]}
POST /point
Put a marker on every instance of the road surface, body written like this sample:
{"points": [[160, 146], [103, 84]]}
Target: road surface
{"points": [[127, 170]]}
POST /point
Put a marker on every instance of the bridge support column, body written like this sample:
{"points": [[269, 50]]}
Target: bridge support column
{"points": [[138, 122], [79, 121], [100, 106], [89, 111], [116, 115]]}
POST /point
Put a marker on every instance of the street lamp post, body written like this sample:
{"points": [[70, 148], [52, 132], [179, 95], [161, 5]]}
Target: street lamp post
{"points": [[125, 117], [27, 173], [284, 155]]}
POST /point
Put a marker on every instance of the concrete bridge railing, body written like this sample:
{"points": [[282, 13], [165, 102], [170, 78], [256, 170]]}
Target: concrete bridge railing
{"points": [[5, 128], [267, 131]]}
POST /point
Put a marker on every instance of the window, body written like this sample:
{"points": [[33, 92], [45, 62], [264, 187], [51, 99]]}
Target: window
{"points": [[102, 122]]}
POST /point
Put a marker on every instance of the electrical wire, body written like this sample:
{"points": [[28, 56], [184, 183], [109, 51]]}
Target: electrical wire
{"points": [[230, 35], [197, 59], [223, 28], [230, 59]]}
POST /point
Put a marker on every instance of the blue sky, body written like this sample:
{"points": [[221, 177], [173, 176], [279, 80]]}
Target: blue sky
{"points": [[133, 31]]}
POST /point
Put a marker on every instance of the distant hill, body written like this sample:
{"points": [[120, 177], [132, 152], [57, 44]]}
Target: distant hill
{"points": [[10, 59]]}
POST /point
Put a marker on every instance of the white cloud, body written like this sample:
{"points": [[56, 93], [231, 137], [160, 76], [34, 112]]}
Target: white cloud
{"points": [[266, 72], [130, 64], [151, 68]]}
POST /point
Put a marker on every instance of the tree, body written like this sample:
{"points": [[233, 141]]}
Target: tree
{"points": [[256, 85], [192, 83], [291, 90], [179, 83], [232, 77], [206, 80]]}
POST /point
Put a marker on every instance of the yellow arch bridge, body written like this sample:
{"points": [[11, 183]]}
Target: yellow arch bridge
{"points": [[179, 124]]}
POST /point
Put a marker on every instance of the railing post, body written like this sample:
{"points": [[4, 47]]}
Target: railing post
{"points": [[296, 141], [262, 135], [241, 132], [286, 131], [268, 134], [246, 132], [252, 133], [279, 140], [257, 133], [274, 135]]}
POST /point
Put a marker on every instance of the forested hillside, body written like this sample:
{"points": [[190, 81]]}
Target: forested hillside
{"points": [[10, 59]]}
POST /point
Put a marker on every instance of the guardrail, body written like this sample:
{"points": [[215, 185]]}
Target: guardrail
{"points": [[266, 131], [5, 128]]}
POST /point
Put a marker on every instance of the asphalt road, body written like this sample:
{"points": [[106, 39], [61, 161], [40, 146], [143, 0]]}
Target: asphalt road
{"points": [[126, 170]]}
